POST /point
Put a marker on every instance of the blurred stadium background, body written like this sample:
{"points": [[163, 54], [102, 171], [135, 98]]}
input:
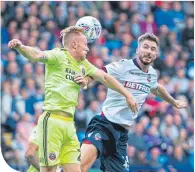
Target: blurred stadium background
{"points": [[163, 137]]}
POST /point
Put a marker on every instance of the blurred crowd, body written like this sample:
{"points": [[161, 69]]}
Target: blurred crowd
{"points": [[162, 139]]}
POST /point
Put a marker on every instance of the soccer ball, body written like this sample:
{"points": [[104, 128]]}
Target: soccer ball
{"points": [[92, 27]]}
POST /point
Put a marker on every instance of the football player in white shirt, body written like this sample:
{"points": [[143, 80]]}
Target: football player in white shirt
{"points": [[107, 134]]}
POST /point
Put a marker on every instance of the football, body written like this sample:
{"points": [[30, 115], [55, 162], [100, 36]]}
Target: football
{"points": [[92, 27]]}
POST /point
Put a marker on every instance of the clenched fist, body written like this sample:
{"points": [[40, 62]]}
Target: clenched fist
{"points": [[14, 43], [79, 79]]}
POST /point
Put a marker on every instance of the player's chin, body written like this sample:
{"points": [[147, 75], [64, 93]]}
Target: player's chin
{"points": [[147, 61], [84, 55]]}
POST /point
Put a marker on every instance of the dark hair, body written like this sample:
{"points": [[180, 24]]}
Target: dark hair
{"points": [[148, 36]]}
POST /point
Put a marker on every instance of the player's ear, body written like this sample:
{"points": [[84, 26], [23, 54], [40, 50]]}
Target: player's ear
{"points": [[157, 53], [74, 44]]}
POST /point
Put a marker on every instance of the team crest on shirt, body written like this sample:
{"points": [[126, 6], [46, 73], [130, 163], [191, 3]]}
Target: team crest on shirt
{"points": [[83, 71], [148, 78], [98, 136], [52, 156]]}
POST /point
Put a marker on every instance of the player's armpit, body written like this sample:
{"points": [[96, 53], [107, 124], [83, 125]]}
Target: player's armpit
{"points": [[155, 90]]}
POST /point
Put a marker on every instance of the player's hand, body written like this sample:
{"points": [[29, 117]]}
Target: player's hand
{"points": [[14, 43], [132, 104], [179, 104], [80, 79]]}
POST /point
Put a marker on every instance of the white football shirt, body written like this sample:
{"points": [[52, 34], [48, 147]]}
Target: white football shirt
{"points": [[134, 80]]}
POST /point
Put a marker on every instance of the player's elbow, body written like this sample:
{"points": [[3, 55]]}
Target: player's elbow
{"points": [[28, 154]]}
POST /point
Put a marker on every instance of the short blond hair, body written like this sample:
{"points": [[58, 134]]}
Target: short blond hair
{"points": [[66, 33]]}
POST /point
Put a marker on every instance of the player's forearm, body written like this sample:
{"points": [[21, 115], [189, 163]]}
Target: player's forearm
{"points": [[33, 160], [163, 94], [29, 52]]}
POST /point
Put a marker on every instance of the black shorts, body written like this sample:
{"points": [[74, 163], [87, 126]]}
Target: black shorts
{"points": [[110, 139]]}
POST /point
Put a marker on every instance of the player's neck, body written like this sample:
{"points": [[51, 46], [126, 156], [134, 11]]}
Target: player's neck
{"points": [[143, 67]]}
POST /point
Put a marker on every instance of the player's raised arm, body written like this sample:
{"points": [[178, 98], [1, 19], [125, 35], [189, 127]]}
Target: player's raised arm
{"points": [[32, 54], [161, 92], [110, 82]]}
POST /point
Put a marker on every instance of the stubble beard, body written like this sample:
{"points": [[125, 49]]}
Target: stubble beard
{"points": [[144, 62]]}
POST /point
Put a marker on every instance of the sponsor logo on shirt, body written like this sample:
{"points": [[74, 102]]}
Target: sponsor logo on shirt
{"points": [[136, 73], [141, 74], [137, 86], [70, 74]]}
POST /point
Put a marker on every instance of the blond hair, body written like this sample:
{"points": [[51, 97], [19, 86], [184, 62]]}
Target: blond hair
{"points": [[148, 36], [66, 34]]}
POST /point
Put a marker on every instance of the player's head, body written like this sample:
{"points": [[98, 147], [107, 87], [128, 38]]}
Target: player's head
{"points": [[74, 40], [147, 50]]}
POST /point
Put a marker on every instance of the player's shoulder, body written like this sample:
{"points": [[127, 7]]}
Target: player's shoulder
{"points": [[60, 53], [126, 63], [123, 61], [119, 63], [58, 50], [85, 63], [52, 52], [152, 70]]}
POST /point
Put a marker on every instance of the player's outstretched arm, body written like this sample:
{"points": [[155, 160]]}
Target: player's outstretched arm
{"points": [[161, 92], [110, 82], [32, 54], [31, 156]]}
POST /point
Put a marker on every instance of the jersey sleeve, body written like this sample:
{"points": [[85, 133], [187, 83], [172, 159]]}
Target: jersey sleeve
{"points": [[116, 69], [155, 82], [33, 136], [50, 57], [155, 85], [90, 69]]}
